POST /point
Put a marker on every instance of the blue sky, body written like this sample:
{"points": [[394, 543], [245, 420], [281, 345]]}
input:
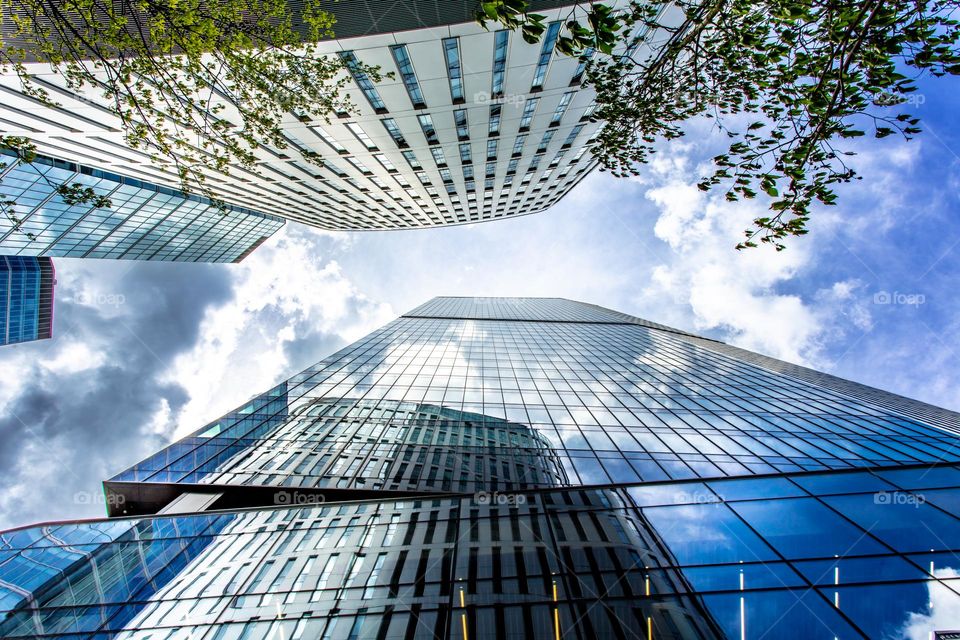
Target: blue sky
{"points": [[146, 352]]}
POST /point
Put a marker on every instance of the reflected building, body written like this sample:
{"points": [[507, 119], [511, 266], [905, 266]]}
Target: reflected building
{"points": [[145, 220], [520, 468], [26, 299]]}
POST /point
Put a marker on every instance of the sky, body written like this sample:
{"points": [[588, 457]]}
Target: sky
{"points": [[144, 353]]}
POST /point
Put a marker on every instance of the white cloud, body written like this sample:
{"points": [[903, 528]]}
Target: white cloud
{"points": [[752, 297], [943, 609], [284, 294]]}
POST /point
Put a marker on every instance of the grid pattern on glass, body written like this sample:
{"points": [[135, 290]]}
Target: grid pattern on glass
{"points": [[608, 402], [391, 126], [367, 570], [799, 556], [21, 299], [528, 110], [493, 127], [865, 554], [144, 221], [546, 52], [585, 58], [914, 408], [561, 107], [429, 131], [500, 41], [407, 74], [451, 53], [460, 120], [572, 135], [361, 135], [363, 81]]}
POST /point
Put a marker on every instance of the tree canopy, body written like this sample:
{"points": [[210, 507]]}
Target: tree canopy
{"points": [[787, 81], [198, 85]]}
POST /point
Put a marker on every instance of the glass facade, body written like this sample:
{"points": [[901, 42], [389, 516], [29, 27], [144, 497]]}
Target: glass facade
{"points": [[520, 468], [26, 298], [144, 221]]}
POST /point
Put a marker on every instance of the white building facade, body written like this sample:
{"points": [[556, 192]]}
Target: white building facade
{"points": [[474, 125]]}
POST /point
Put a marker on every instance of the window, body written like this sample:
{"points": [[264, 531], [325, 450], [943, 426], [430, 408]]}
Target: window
{"points": [[330, 140], [546, 51], [438, 156], [494, 127], [466, 156], [411, 158], [582, 66], [359, 166], [492, 148], [402, 58], [573, 135], [545, 141], [499, 62], [588, 112], [451, 51], [363, 81], [468, 172], [512, 166], [460, 119], [385, 162], [528, 110], [561, 108], [429, 132], [518, 144], [391, 126], [361, 135], [491, 169]]}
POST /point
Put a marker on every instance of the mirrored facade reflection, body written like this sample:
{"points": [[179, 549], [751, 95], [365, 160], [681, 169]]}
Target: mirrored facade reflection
{"points": [[520, 468], [143, 222], [26, 298]]}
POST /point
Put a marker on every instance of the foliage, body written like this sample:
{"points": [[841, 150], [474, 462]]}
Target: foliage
{"points": [[786, 80], [199, 85]]}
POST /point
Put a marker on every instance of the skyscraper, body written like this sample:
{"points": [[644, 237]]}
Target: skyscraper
{"points": [[521, 468], [474, 126], [143, 222], [26, 299]]}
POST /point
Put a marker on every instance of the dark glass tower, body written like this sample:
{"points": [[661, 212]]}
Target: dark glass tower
{"points": [[521, 468], [26, 299]]}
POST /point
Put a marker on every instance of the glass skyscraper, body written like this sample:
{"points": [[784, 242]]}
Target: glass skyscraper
{"points": [[144, 221], [26, 299], [521, 468]]}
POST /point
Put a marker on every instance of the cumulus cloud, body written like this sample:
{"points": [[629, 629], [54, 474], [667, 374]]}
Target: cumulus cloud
{"points": [[291, 308], [145, 352], [761, 299], [87, 403], [943, 609]]}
